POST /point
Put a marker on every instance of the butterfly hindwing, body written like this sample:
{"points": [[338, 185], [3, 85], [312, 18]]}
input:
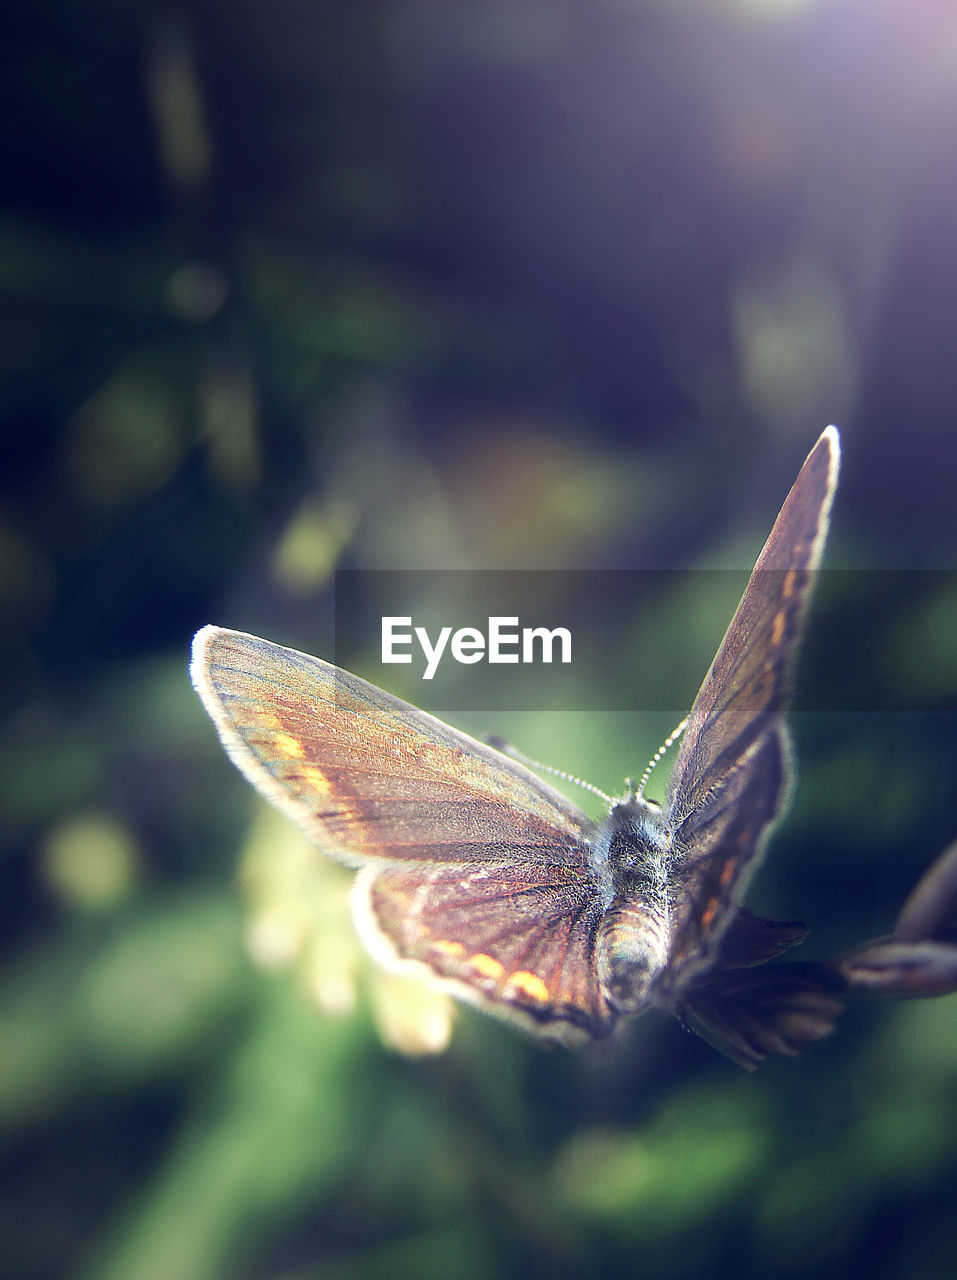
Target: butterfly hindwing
{"points": [[517, 937], [733, 825]]}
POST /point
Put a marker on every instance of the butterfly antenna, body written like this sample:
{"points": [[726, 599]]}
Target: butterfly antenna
{"points": [[513, 753], [672, 737]]}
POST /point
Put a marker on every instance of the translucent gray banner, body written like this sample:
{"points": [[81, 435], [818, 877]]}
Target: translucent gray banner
{"points": [[637, 640]]}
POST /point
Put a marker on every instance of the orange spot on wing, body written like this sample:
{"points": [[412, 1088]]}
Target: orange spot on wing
{"points": [[527, 984], [487, 966], [314, 786], [316, 778], [777, 626], [289, 746], [787, 589], [264, 719], [453, 950]]}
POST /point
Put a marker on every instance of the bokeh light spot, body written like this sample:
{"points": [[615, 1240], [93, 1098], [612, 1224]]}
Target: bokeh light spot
{"points": [[90, 860]]}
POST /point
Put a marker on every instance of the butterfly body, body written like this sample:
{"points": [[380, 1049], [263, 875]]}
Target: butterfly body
{"points": [[480, 874], [631, 856]]}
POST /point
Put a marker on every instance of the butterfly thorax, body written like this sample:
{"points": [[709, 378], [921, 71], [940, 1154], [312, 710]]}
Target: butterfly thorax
{"points": [[631, 855]]}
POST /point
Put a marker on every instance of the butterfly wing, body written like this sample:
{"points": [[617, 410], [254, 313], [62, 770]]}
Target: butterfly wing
{"points": [[518, 938], [749, 1014], [731, 776], [475, 868]]}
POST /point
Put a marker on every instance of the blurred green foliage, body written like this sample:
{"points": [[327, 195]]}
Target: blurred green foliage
{"points": [[454, 283]]}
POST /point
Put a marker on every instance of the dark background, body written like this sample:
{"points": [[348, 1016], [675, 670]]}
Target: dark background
{"points": [[455, 284]]}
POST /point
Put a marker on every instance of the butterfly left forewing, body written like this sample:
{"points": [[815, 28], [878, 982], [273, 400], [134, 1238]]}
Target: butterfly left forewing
{"points": [[731, 776], [368, 776]]}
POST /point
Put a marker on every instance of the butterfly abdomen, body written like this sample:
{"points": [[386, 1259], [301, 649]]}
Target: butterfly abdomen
{"points": [[632, 950], [631, 854]]}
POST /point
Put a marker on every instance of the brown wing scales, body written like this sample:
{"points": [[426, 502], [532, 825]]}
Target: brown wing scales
{"points": [[519, 939]]}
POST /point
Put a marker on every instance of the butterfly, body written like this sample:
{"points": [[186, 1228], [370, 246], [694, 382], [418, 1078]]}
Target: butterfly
{"points": [[475, 871]]}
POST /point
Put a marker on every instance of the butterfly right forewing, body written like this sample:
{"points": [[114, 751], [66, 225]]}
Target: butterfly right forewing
{"points": [[747, 686], [731, 776]]}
